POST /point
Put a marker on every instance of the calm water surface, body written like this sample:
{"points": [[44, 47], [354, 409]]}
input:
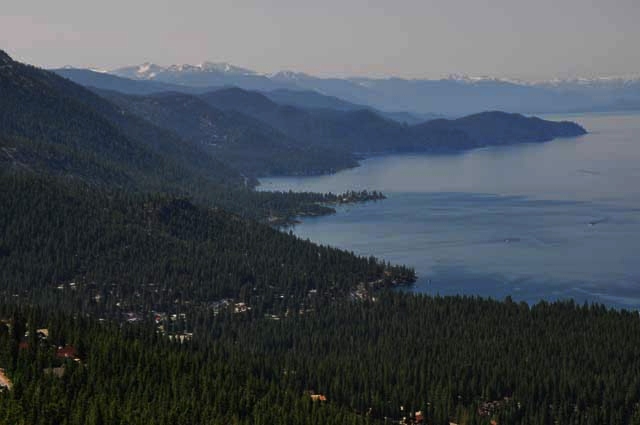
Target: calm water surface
{"points": [[540, 221]]}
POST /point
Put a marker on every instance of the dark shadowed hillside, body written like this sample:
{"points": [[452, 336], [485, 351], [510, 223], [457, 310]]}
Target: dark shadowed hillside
{"points": [[490, 129], [43, 115], [309, 99], [365, 131], [244, 142]]}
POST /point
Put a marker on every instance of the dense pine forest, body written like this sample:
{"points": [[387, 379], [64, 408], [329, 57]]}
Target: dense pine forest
{"points": [[429, 360], [148, 252]]}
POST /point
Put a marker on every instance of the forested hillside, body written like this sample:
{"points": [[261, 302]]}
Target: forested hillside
{"points": [[365, 131], [239, 140], [149, 252], [490, 129], [428, 360], [78, 127], [51, 126]]}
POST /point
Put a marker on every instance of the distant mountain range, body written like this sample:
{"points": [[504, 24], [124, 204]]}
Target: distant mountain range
{"points": [[301, 98], [207, 74], [225, 138], [452, 96], [106, 81]]}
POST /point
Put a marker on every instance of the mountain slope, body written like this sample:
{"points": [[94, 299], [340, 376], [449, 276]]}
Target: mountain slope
{"points": [[364, 131], [105, 81], [308, 99], [490, 129], [354, 131], [53, 231], [39, 108], [241, 141]]}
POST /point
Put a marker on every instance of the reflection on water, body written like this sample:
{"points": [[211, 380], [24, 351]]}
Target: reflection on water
{"points": [[540, 221]]}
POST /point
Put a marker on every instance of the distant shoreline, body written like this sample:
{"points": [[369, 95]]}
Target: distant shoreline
{"points": [[361, 156]]}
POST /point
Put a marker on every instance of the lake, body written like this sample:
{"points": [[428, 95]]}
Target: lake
{"points": [[546, 221]]}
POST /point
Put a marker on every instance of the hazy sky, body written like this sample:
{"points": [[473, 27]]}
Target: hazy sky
{"points": [[409, 38]]}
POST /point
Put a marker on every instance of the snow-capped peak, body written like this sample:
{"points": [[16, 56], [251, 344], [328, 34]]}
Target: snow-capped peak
{"points": [[288, 75], [464, 78], [145, 71], [225, 68], [593, 81], [149, 70], [98, 70]]}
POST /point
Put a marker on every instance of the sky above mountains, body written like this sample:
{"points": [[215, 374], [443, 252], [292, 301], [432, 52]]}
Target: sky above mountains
{"points": [[540, 39]]}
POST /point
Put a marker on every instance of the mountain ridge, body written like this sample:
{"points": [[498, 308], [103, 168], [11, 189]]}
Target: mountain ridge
{"points": [[365, 132], [295, 75], [309, 99], [240, 140], [454, 95]]}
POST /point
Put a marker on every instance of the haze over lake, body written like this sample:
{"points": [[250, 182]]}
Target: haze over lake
{"points": [[537, 221]]}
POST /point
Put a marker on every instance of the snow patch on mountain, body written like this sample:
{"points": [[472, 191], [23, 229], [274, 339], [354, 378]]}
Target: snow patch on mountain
{"points": [[288, 76], [149, 71], [595, 81]]}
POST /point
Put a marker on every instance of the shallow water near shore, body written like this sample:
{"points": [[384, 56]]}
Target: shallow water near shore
{"points": [[546, 221]]}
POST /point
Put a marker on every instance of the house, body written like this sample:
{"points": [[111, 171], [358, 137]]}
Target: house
{"points": [[55, 371], [182, 337], [318, 397], [241, 308], [67, 352]]}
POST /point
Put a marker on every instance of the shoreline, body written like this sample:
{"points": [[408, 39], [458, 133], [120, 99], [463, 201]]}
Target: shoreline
{"points": [[296, 218], [363, 156]]}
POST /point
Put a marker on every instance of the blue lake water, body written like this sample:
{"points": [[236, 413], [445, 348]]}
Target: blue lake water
{"points": [[538, 221]]}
